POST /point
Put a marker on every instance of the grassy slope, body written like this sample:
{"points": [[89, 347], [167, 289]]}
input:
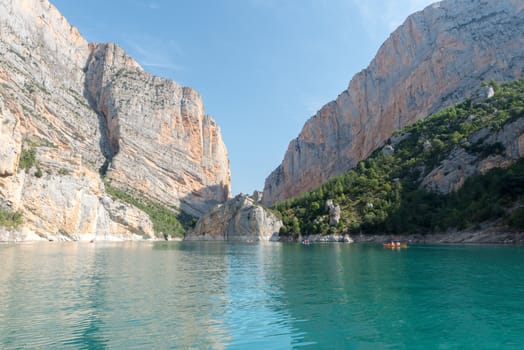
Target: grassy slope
{"points": [[168, 221], [383, 194]]}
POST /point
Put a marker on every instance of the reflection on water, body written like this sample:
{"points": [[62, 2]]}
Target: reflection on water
{"points": [[80, 295], [258, 296], [254, 312], [358, 296]]}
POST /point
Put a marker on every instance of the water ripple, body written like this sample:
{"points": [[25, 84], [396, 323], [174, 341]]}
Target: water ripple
{"points": [[238, 296]]}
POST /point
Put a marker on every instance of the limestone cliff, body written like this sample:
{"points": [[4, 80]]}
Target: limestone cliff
{"points": [[157, 139], [239, 219], [456, 172], [437, 57], [70, 110]]}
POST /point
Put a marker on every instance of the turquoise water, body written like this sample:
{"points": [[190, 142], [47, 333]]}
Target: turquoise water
{"points": [[260, 296]]}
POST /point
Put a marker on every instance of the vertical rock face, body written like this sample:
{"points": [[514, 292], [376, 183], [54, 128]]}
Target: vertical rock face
{"points": [[42, 80], [157, 138], [80, 109], [67, 202], [437, 57], [12, 142]]}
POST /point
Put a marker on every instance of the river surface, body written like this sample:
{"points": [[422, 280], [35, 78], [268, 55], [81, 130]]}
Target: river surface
{"points": [[180, 295]]}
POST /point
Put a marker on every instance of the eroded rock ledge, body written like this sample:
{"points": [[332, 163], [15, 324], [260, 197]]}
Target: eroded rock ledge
{"points": [[239, 219]]}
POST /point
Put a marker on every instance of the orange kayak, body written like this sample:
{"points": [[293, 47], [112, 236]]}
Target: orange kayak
{"points": [[396, 244]]}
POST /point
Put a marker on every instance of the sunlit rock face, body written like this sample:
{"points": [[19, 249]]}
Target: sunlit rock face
{"points": [[435, 58], [452, 172], [239, 219], [84, 110], [157, 138]]}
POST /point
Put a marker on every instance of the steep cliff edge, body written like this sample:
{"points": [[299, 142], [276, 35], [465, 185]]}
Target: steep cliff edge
{"points": [[158, 141], [437, 57], [71, 111], [458, 173]]}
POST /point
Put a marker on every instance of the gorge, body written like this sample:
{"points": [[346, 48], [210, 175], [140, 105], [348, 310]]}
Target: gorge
{"points": [[96, 148]]}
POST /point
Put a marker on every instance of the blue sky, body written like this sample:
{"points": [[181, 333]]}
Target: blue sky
{"points": [[263, 67]]}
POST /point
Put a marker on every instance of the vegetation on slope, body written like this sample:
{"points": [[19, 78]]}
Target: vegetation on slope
{"points": [[168, 221], [383, 193], [9, 218], [27, 158]]}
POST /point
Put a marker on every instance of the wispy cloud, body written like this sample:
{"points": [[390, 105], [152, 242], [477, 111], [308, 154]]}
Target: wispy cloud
{"points": [[152, 5], [385, 16], [155, 52]]}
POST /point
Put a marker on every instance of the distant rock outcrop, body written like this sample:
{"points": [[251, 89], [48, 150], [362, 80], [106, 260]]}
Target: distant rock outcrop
{"points": [[437, 57], [507, 147], [70, 110], [334, 212], [239, 219]]}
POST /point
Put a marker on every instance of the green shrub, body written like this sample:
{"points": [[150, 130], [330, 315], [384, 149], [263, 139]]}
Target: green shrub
{"points": [[10, 219], [168, 221], [517, 218], [27, 158]]}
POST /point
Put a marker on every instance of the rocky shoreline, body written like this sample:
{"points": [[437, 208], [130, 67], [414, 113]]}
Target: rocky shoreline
{"points": [[318, 238], [25, 235], [489, 234]]}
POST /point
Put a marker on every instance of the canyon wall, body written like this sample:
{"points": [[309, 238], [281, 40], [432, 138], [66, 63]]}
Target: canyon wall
{"points": [[72, 113], [435, 58], [157, 139]]}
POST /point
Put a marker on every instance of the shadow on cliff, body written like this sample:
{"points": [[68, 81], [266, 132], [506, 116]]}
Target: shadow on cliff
{"points": [[92, 79], [170, 221], [98, 95], [199, 203]]}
